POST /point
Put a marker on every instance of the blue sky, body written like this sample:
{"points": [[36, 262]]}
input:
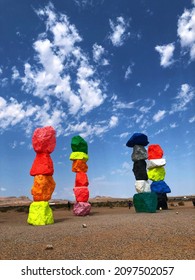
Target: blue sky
{"points": [[102, 70]]}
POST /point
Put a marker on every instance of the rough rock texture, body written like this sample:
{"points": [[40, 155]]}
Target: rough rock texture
{"points": [[137, 139], [145, 202], [78, 144], [155, 151], [139, 170], [156, 163], [81, 208], [142, 186], [42, 164], [40, 214], [44, 139], [79, 155], [139, 153], [81, 179], [43, 187], [81, 194], [156, 174], [79, 166]]}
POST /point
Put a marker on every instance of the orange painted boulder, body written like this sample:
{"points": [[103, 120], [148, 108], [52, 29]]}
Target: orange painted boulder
{"points": [[79, 166], [81, 194], [43, 187], [81, 179], [44, 139], [42, 164]]}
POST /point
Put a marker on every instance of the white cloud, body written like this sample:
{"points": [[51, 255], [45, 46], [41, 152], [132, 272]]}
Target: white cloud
{"points": [[159, 115], [122, 105], [183, 98], [166, 87], [186, 31], [13, 112], [58, 58], [192, 119], [128, 71], [126, 168], [124, 135], [119, 31], [113, 121], [85, 129], [173, 125], [98, 52], [3, 189], [166, 54]]}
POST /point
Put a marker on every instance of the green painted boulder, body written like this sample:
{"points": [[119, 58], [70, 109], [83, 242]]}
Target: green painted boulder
{"points": [[78, 144], [145, 202]]}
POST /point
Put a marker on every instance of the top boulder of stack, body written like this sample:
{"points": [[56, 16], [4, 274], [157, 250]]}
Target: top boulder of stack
{"points": [[44, 139], [155, 152], [137, 139], [78, 144]]}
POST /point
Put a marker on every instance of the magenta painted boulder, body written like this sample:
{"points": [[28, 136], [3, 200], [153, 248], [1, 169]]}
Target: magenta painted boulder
{"points": [[81, 208], [44, 139]]}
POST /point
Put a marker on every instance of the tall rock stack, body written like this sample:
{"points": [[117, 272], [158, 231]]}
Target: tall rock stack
{"points": [[144, 200], [156, 173], [79, 157], [44, 142]]}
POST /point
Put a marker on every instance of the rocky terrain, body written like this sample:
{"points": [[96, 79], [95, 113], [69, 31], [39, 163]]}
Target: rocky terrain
{"points": [[108, 233]]}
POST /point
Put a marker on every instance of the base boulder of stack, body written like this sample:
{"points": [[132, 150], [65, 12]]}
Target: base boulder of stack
{"points": [[145, 202], [40, 214], [81, 208]]}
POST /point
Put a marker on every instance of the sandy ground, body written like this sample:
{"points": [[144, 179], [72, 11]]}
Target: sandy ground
{"points": [[110, 234]]}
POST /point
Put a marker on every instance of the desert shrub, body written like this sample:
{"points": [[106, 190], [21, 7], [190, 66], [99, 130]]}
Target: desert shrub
{"points": [[181, 203]]}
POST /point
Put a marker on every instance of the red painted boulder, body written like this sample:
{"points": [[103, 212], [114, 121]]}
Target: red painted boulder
{"points": [[44, 139], [81, 179], [42, 164], [81, 194], [155, 151]]}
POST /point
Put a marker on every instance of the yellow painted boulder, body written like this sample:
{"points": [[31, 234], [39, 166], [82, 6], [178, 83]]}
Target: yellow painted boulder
{"points": [[156, 174], [43, 187], [79, 155], [40, 214]]}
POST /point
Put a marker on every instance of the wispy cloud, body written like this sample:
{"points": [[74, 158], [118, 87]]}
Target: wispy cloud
{"points": [[192, 119], [159, 115], [183, 98], [166, 54], [126, 168], [129, 71], [186, 31], [61, 76], [119, 31], [13, 112], [98, 55]]}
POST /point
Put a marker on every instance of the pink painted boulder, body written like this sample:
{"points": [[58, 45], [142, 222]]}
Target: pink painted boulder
{"points": [[81, 208]]}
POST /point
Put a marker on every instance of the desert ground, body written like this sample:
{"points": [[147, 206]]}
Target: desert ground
{"points": [[108, 233]]}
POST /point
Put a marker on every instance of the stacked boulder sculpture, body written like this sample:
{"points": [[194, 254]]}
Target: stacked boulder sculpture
{"points": [[156, 173], [144, 200], [44, 142], [79, 158]]}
